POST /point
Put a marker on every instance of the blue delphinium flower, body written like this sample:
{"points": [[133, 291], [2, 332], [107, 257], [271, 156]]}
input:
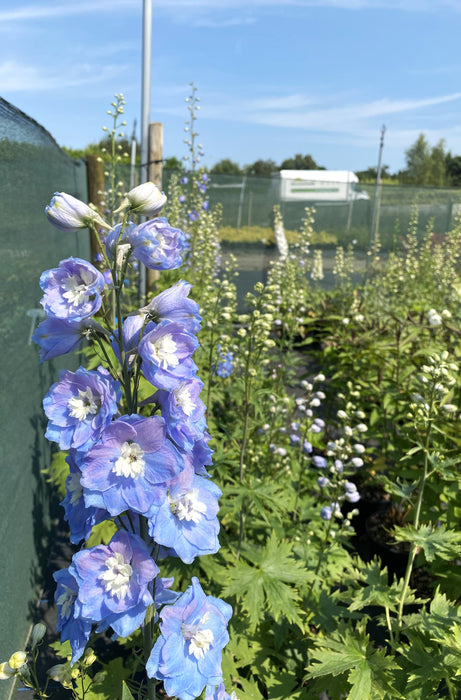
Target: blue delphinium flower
{"points": [[80, 518], [219, 693], [184, 412], [225, 364], [113, 583], [80, 406], [157, 244], [56, 337], [73, 290], [187, 654], [166, 353], [173, 304], [185, 521], [123, 470], [75, 630]]}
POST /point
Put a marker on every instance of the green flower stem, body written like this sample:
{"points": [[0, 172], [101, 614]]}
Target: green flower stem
{"points": [[414, 548]]}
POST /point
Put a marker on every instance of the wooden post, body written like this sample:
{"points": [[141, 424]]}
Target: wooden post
{"points": [[155, 170], [95, 183], [156, 153]]}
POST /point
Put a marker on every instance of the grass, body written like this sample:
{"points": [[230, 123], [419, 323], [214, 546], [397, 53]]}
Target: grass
{"points": [[265, 236]]}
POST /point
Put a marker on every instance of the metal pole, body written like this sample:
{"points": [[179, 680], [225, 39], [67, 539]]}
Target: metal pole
{"points": [[145, 112], [376, 203]]}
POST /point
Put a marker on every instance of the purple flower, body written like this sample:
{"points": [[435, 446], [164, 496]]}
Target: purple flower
{"points": [[80, 406], [112, 583], [81, 518], [326, 513], [205, 205], [117, 238], [193, 215], [184, 181], [56, 337], [166, 353], [182, 198], [126, 468], [70, 214], [201, 455], [183, 412], [185, 522], [205, 177], [187, 655], [307, 447], [73, 629], [319, 462], [72, 290], [225, 364], [173, 304], [157, 244], [218, 693]]}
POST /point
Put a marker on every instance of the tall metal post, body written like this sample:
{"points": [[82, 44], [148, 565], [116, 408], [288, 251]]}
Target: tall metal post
{"points": [[377, 202], [146, 79], [145, 111]]}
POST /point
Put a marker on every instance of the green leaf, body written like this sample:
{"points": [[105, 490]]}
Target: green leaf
{"points": [[438, 542], [126, 692], [263, 583]]}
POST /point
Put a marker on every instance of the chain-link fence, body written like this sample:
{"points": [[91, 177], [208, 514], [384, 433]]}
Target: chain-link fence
{"points": [[32, 168], [353, 214]]}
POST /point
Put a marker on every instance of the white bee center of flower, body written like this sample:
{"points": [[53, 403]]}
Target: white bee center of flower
{"points": [[130, 463], [65, 601], [117, 576], [76, 288], [188, 507], [75, 488], [183, 399], [83, 404], [163, 352], [199, 639]]}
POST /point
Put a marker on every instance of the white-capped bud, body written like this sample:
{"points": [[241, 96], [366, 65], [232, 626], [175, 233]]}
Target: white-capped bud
{"points": [[38, 632], [145, 199]]}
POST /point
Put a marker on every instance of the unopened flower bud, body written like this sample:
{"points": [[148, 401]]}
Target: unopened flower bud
{"points": [[17, 660], [38, 633], [70, 214], [145, 199]]}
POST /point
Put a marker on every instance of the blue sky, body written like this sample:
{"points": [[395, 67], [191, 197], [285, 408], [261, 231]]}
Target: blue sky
{"points": [[275, 77]]}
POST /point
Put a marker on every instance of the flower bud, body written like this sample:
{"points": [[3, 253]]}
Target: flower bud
{"points": [[70, 214], [145, 199], [17, 660], [38, 633], [6, 671], [61, 674]]}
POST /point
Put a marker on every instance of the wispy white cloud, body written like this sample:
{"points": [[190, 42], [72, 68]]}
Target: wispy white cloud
{"points": [[301, 112], [66, 9], [17, 77]]}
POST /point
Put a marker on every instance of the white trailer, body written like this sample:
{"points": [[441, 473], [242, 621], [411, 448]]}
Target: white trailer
{"points": [[317, 186]]}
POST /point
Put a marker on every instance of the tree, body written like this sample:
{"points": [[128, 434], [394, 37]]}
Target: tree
{"points": [[226, 166], [371, 173], [425, 165], [262, 168], [172, 163], [300, 162], [453, 164]]}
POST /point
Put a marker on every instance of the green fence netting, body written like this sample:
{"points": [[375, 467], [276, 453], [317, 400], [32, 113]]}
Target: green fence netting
{"points": [[32, 168], [249, 201]]}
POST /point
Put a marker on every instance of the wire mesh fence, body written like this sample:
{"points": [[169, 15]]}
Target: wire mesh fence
{"points": [[249, 201]]}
